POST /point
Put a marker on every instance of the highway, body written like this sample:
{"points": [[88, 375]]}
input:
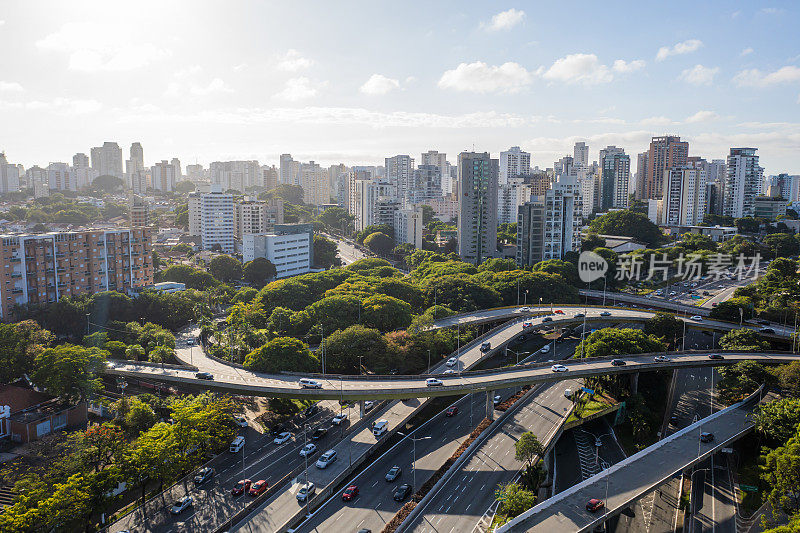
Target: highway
{"points": [[629, 479]]}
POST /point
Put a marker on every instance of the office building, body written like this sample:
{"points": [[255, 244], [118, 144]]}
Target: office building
{"points": [[684, 201], [581, 155], [60, 177], [256, 216], [400, 173], [408, 227], [770, 205], [665, 153], [290, 248], [477, 206], [9, 176], [217, 220], [548, 226], [615, 177], [162, 176], [743, 181], [43, 268], [513, 163], [107, 160]]}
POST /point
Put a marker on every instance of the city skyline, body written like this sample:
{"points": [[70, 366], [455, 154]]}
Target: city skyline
{"points": [[248, 86]]}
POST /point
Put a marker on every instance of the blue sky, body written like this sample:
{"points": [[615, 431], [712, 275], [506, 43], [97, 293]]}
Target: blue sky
{"points": [[357, 81]]}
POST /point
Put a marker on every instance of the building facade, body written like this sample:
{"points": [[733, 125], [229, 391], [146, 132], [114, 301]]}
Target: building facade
{"points": [[290, 248], [107, 160], [408, 227], [665, 153], [477, 206], [743, 182], [513, 162], [217, 220]]}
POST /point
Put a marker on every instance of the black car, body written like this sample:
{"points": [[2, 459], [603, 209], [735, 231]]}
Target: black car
{"points": [[204, 375], [605, 313], [393, 473], [579, 315], [617, 362], [715, 356], [706, 437], [319, 433], [402, 492], [311, 409], [547, 319], [203, 475]]}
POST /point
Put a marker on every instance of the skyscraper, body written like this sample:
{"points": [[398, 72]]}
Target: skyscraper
{"points": [[288, 170], [615, 175], [107, 160], [743, 182], [581, 154], [665, 153], [477, 206], [684, 201], [163, 176], [217, 220], [427, 184], [313, 179], [641, 176], [513, 162], [400, 172], [9, 176]]}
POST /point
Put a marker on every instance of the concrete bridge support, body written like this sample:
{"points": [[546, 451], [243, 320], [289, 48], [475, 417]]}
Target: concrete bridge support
{"points": [[634, 383], [490, 405]]}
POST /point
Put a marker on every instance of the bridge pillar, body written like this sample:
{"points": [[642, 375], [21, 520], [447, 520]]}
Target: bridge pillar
{"points": [[490, 405], [360, 409], [634, 383]]}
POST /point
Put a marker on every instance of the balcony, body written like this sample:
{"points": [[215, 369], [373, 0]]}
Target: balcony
{"points": [[16, 290], [16, 259]]}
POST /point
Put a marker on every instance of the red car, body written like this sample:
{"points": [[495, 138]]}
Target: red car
{"points": [[451, 411], [594, 505], [258, 487], [558, 312], [350, 493], [241, 487]]}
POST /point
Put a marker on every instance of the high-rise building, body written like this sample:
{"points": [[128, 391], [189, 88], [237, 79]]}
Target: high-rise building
{"points": [[427, 184], [43, 268], [684, 201], [639, 187], [408, 226], [615, 177], [548, 226], [289, 168], [60, 177], [665, 153], [235, 175], [788, 186], [36, 174], [255, 216], [400, 172], [743, 182], [509, 197], [140, 211], [194, 206], [478, 177], [586, 186], [107, 160], [269, 177], [564, 166], [9, 176], [217, 220], [176, 168], [581, 155], [433, 157], [513, 163], [163, 176], [84, 175], [313, 179], [195, 172]]}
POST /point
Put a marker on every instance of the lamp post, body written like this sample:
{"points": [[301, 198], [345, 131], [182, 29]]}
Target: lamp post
{"points": [[429, 360], [414, 461], [87, 324]]}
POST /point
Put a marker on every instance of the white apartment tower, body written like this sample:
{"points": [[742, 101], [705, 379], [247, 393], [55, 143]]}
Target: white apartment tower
{"points": [[235, 175], [60, 177], [289, 168], [9, 176], [107, 160], [84, 175], [217, 220], [684, 201], [581, 155], [408, 226], [743, 182], [513, 162], [477, 206], [400, 173], [313, 179]]}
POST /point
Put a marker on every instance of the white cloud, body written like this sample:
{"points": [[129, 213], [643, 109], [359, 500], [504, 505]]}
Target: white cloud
{"points": [[479, 77], [505, 20], [702, 116], [379, 84], [756, 78], [579, 68], [657, 121], [621, 66], [214, 86], [297, 89], [293, 61], [685, 47], [93, 48], [2, 22], [10, 87], [699, 75], [746, 52], [772, 11], [59, 106]]}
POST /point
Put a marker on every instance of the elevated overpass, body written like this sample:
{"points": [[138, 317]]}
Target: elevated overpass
{"points": [[627, 481]]}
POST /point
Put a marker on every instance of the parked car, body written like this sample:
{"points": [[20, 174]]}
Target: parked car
{"points": [[350, 493], [402, 492], [258, 487], [242, 486], [181, 505], [281, 438], [433, 382], [393, 473], [203, 475], [594, 505], [451, 411], [558, 368], [339, 419], [325, 459], [204, 375], [305, 491], [308, 449]]}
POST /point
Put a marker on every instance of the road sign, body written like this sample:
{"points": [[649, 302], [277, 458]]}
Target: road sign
{"points": [[748, 488], [587, 391]]}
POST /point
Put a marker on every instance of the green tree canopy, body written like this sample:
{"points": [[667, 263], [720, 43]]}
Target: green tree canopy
{"points": [[778, 420], [225, 268], [184, 187], [325, 252], [739, 380], [612, 341], [498, 265], [282, 353], [386, 229], [337, 219], [70, 371], [782, 244], [666, 327], [746, 340], [343, 348], [628, 223], [379, 243], [291, 194], [259, 271], [527, 448], [386, 313], [565, 269]]}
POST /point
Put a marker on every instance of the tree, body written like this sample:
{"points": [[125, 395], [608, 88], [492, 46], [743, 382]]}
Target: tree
{"points": [[184, 187], [781, 471], [116, 349], [244, 295], [225, 268], [291, 194], [566, 270], [527, 448], [782, 244], [282, 353], [612, 341], [428, 214], [138, 417], [343, 348], [193, 278], [778, 420], [107, 184], [20, 343], [789, 378], [70, 371], [666, 327], [748, 225], [730, 309], [629, 224], [379, 243], [744, 340], [497, 265], [134, 352], [161, 354], [515, 499], [386, 313], [259, 271], [102, 444], [337, 219], [386, 229], [325, 252], [739, 380]]}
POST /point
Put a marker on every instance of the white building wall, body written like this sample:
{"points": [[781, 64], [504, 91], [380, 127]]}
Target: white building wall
{"points": [[290, 254]]}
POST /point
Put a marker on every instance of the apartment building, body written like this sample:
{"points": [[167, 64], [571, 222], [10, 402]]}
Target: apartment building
{"points": [[254, 216], [42, 268], [743, 182], [477, 206], [408, 226], [290, 248], [217, 220]]}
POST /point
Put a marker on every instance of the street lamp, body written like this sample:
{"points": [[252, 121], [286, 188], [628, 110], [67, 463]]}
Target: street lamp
{"points": [[414, 462]]}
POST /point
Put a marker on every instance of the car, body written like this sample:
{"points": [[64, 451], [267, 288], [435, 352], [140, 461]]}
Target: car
{"points": [[579, 315], [716, 356], [364, 530], [617, 362], [706, 437], [547, 319], [451, 411], [527, 324], [605, 313], [433, 382], [524, 309], [339, 419], [449, 371], [393, 473], [764, 322], [237, 444], [311, 410], [452, 361], [558, 312], [696, 318], [242, 486], [240, 421], [258, 487], [497, 400], [545, 348], [306, 383], [305, 491], [319, 433], [594, 505], [486, 346], [661, 359], [766, 330], [190, 341], [402, 492], [204, 375], [325, 459], [308, 449], [706, 293], [368, 405], [558, 368], [350, 493], [181, 505], [203, 475], [282, 438]]}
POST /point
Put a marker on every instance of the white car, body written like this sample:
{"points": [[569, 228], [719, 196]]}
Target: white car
{"points": [[524, 309], [369, 404], [433, 382], [452, 361], [325, 459], [181, 505], [661, 359], [338, 419], [558, 368], [308, 449], [241, 421], [697, 318], [282, 438], [449, 371], [305, 490]]}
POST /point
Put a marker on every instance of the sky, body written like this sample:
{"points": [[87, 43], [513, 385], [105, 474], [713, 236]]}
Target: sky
{"points": [[357, 81]]}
